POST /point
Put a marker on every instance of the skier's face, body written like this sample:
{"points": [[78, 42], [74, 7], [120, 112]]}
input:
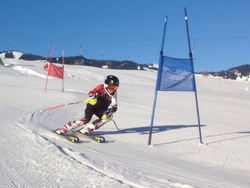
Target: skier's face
{"points": [[111, 88]]}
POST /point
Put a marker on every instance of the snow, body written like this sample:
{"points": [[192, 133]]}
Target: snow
{"points": [[243, 78], [33, 156]]}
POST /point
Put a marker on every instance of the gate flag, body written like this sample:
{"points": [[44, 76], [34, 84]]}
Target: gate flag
{"points": [[176, 75], [55, 71]]}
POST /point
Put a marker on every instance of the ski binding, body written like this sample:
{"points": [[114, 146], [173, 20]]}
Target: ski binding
{"points": [[72, 138], [99, 139]]}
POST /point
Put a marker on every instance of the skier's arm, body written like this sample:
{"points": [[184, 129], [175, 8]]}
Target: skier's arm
{"points": [[96, 91], [114, 104], [93, 94], [109, 113]]}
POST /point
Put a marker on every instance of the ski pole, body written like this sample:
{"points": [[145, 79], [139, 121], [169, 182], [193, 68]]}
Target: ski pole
{"points": [[60, 106], [115, 124]]}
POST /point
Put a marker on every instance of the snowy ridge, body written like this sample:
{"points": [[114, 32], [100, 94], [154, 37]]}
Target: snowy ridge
{"points": [[27, 71], [33, 156]]}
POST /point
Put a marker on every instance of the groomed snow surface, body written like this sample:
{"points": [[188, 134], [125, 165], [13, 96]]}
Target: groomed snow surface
{"points": [[33, 156]]}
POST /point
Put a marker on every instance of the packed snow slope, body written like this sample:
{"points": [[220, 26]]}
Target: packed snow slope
{"points": [[33, 156]]}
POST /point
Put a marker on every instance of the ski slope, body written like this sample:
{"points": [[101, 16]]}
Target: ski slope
{"points": [[33, 156]]}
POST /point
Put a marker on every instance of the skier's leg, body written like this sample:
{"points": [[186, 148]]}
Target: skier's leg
{"points": [[93, 126], [75, 123], [71, 125]]}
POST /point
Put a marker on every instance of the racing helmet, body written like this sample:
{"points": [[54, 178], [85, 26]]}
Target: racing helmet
{"points": [[112, 82]]}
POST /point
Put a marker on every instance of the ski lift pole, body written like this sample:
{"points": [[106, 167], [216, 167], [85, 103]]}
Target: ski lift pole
{"points": [[62, 105]]}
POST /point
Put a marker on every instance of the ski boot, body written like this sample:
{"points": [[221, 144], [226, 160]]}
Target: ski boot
{"points": [[87, 129]]}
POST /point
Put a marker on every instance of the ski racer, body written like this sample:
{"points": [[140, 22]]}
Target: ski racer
{"points": [[98, 102]]}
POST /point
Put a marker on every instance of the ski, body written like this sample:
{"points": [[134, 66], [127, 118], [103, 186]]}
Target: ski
{"points": [[73, 138], [99, 139]]}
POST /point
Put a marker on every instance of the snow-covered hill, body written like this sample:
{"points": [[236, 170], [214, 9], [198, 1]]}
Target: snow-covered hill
{"points": [[32, 156]]}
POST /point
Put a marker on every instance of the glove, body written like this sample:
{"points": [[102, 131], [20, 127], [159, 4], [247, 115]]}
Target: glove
{"points": [[108, 114], [92, 96], [91, 100]]}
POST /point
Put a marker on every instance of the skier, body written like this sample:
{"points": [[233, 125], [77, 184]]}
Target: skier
{"points": [[46, 67], [100, 98]]}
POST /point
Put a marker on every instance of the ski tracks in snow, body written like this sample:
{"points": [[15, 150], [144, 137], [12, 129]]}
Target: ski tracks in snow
{"points": [[111, 167], [15, 164], [48, 165], [93, 163]]}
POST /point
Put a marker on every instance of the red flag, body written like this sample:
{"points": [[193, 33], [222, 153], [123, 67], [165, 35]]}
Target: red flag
{"points": [[55, 71]]}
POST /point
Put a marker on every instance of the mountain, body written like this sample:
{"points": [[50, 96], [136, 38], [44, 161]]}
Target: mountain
{"points": [[240, 73], [236, 73], [79, 60]]}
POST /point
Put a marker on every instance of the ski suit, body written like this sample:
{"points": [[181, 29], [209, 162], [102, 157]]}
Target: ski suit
{"points": [[104, 100]]}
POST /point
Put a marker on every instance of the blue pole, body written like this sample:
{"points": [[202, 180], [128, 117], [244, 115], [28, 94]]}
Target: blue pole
{"points": [[158, 81], [194, 83]]}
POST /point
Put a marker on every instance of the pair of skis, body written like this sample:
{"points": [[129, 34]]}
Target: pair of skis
{"points": [[75, 139]]}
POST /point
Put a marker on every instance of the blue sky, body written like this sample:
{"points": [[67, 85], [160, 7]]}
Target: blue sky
{"points": [[130, 30]]}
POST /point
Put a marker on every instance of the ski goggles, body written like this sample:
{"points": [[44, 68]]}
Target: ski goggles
{"points": [[112, 87]]}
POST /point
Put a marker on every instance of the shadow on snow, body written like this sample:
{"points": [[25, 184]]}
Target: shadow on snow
{"points": [[145, 130], [162, 128]]}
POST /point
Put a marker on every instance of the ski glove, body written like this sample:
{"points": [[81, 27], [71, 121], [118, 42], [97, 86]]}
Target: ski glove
{"points": [[91, 100], [92, 96], [108, 114]]}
